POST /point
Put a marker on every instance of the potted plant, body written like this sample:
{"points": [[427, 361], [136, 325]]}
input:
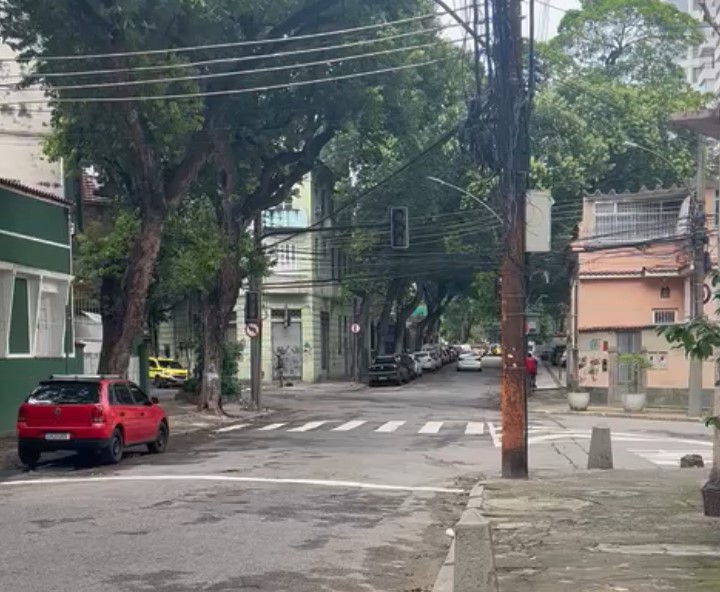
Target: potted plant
{"points": [[578, 401], [636, 397]]}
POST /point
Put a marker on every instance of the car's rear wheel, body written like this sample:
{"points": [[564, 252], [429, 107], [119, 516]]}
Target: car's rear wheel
{"points": [[113, 454], [161, 441], [28, 456]]}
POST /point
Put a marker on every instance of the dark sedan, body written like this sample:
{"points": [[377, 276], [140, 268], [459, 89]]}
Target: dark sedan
{"points": [[388, 370]]}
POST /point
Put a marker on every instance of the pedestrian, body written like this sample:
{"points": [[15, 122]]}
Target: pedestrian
{"points": [[531, 369]]}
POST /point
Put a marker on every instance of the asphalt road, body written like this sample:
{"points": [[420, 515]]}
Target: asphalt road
{"points": [[359, 502]]}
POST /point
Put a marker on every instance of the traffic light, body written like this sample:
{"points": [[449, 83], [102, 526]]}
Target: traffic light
{"points": [[252, 308], [399, 229]]}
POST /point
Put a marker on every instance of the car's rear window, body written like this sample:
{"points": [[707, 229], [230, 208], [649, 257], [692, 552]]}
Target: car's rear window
{"points": [[65, 393], [170, 364]]}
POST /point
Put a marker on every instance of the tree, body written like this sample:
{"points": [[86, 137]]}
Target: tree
{"points": [[151, 151]]}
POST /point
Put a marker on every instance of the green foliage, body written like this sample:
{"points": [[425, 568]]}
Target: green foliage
{"points": [[475, 311], [628, 40], [230, 384], [103, 253], [636, 365]]}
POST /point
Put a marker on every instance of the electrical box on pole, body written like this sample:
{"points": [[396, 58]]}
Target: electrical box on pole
{"points": [[399, 228]]}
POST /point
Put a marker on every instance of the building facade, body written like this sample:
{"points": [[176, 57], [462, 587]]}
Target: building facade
{"points": [[36, 320], [634, 276]]}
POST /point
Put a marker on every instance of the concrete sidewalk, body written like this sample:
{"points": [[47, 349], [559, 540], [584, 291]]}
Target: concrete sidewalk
{"points": [[602, 531]]}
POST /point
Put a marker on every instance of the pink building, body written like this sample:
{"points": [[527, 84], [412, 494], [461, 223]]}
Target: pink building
{"points": [[633, 275]]}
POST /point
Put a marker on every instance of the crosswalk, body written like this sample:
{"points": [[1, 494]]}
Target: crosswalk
{"points": [[668, 457], [485, 429]]}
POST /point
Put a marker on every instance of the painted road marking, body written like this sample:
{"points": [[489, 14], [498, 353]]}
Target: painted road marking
{"points": [[475, 428], [272, 426], [493, 435], [349, 426], [311, 425], [232, 428], [230, 479], [390, 426], [668, 458], [431, 427]]}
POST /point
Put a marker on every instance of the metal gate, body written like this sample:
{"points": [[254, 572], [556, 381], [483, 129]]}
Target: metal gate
{"points": [[287, 350], [628, 342]]}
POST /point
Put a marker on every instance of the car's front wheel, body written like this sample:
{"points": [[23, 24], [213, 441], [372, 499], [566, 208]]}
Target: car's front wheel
{"points": [[28, 456], [161, 440], [113, 453]]}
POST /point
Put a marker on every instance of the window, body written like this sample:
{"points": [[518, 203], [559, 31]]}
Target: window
{"points": [[663, 317], [139, 397], [664, 292], [122, 395], [153, 364], [623, 221], [51, 320], [20, 319], [324, 341], [339, 335], [65, 393]]}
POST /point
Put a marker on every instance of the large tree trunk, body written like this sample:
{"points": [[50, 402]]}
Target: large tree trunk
{"points": [[384, 321], [216, 310], [123, 305], [402, 315]]}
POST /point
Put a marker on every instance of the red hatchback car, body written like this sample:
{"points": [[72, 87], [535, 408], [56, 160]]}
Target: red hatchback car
{"points": [[89, 414]]}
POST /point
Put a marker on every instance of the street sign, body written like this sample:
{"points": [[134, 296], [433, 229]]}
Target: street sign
{"points": [[252, 330], [355, 328]]}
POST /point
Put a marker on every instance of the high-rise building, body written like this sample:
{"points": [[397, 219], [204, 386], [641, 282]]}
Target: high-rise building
{"points": [[702, 65]]}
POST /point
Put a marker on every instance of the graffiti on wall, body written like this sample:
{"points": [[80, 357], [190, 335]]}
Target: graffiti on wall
{"points": [[590, 367], [657, 360]]}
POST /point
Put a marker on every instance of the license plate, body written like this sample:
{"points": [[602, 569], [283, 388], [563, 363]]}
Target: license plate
{"points": [[57, 436]]}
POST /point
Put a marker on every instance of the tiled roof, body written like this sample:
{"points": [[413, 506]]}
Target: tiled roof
{"points": [[616, 328], [658, 192], [18, 186]]}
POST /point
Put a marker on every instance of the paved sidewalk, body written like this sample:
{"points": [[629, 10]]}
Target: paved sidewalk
{"points": [[546, 380], [639, 531]]}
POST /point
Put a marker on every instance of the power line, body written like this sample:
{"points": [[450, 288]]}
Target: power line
{"points": [[195, 95], [239, 59], [247, 43]]}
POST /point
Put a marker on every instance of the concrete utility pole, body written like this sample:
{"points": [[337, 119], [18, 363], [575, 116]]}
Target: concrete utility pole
{"points": [[697, 236], [256, 342], [513, 151]]}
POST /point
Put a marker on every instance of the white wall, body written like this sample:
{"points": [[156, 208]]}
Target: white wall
{"points": [[22, 130]]}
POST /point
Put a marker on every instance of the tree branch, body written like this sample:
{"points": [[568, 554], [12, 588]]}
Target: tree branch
{"points": [[301, 17], [707, 16]]}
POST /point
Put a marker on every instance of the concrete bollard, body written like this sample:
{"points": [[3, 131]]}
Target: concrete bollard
{"points": [[474, 558], [600, 456]]}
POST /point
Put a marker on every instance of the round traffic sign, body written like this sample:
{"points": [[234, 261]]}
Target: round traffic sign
{"points": [[252, 330], [355, 328]]}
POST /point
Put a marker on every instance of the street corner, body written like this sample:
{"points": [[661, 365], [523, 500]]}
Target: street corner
{"points": [[613, 529]]}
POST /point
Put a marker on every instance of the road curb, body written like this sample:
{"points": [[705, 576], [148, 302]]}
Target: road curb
{"points": [[470, 562], [620, 415]]}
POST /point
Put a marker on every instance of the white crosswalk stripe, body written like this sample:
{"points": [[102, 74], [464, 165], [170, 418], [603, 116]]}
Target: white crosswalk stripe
{"points": [[475, 428], [390, 426], [232, 428], [311, 425], [431, 427], [349, 426], [271, 427]]}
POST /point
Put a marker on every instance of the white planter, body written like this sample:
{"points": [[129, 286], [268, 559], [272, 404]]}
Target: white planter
{"points": [[634, 402], [579, 401]]}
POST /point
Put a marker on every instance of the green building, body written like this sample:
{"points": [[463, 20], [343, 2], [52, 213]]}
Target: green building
{"points": [[36, 324]]}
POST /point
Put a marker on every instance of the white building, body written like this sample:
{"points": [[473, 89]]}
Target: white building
{"points": [[23, 129], [702, 65]]}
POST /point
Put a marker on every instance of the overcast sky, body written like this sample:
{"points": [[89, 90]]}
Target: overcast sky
{"points": [[548, 14]]}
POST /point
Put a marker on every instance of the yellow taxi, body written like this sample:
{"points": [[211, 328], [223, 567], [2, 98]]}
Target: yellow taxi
{"points": [[165, 372]]}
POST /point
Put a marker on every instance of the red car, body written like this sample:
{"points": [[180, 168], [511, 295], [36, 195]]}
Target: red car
{"points": [[89, 414]]}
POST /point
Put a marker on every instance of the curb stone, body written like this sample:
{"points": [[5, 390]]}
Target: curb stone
{"points": [[620, 415], [445, 580]]}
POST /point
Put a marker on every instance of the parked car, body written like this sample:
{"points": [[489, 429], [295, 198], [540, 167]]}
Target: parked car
{"points": [[418, 365], [563, 359], [495, 350], [409, 362], [96, 415], [557, 353], [427, 362], [436, 358], [165, 372], [388, 369], [470, 361]]}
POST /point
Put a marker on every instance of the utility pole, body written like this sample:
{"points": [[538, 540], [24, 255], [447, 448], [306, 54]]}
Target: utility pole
{"points": [[256, 342], [513, 151], [697, 236]]}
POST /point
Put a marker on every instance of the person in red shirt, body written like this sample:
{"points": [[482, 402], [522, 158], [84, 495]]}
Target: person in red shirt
{"points": [[531, 369]]}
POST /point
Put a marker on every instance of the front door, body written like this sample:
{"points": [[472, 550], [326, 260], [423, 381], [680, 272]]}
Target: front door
{"points": [[287, 350]]}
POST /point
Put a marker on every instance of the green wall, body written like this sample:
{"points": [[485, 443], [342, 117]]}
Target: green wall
{"points": [[32, 216], [18, 377]]}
